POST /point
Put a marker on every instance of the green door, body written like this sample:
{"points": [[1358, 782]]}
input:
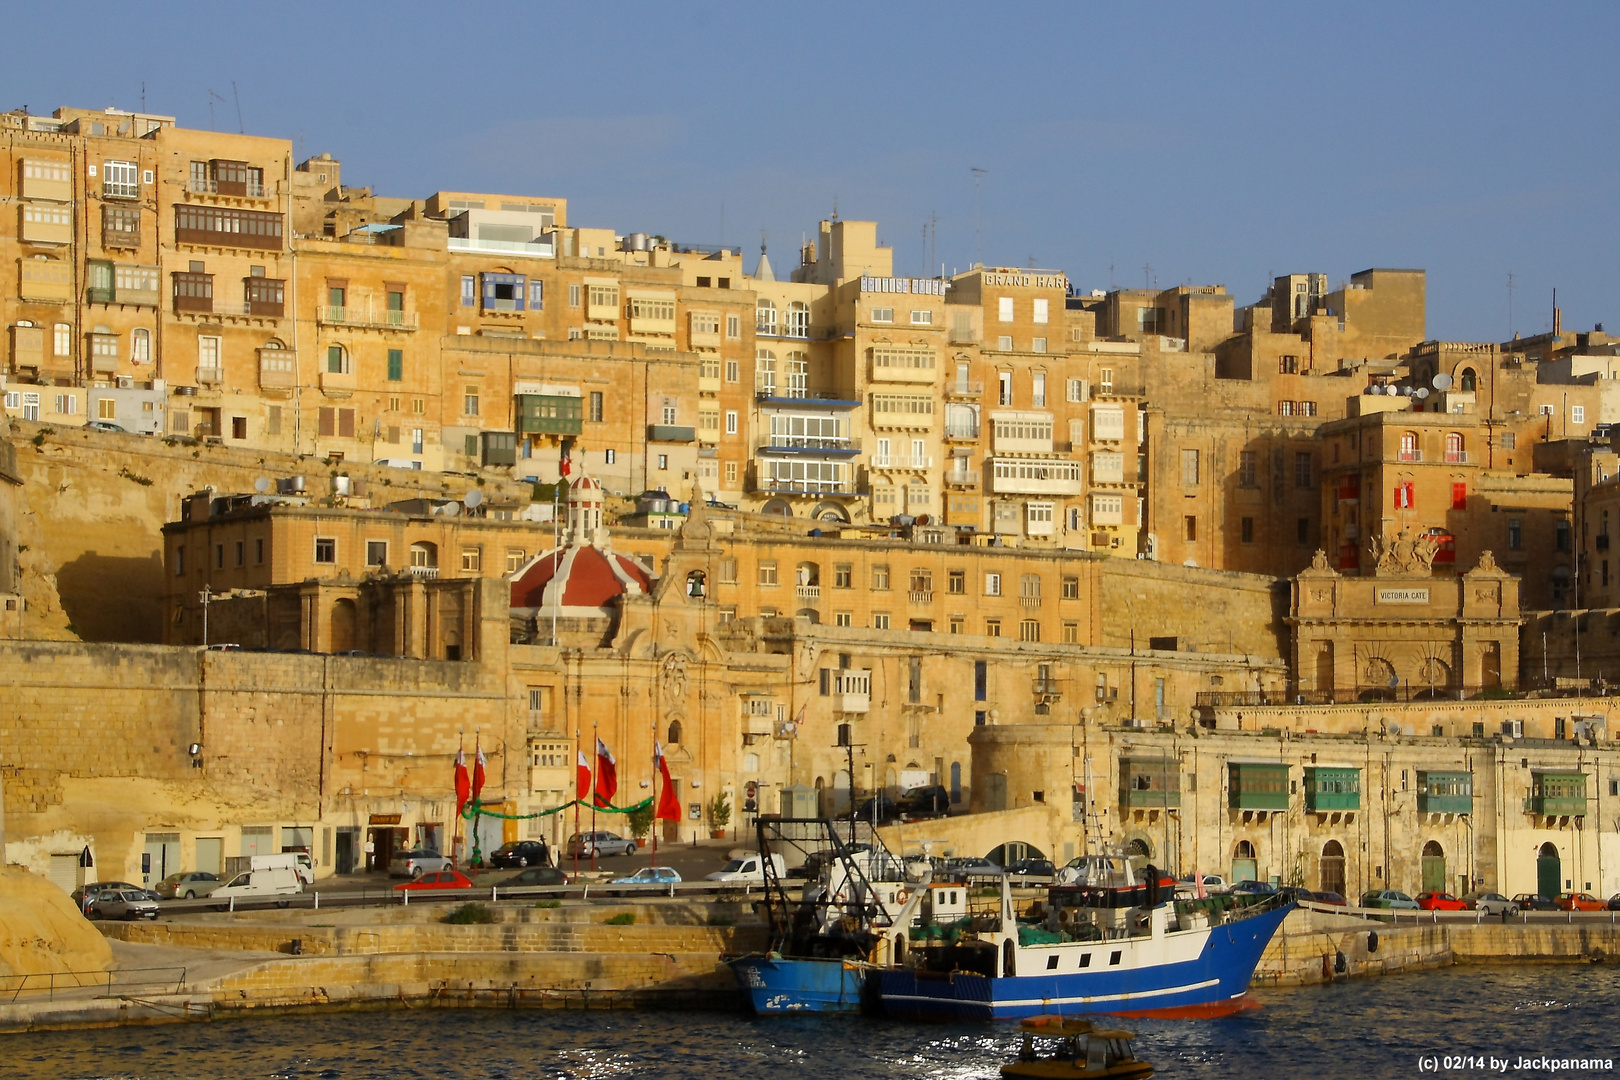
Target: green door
{"points": [[1434, 868], [1549, 872]]}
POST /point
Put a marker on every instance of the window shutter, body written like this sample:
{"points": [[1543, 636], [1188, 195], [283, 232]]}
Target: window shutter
{"points": [[489, 291], [327, 417], [345, 423], [396, 365]]}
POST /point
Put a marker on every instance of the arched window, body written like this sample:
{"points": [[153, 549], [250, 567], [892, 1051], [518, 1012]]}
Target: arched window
{"points": [[798, 320], [673, 736], [62, 339], [1468, 381], [1139, 849], [1409, 447], [1244, 850], [1455, 455], [140, 346], [424, 556], [765, 373], [765, 317], [337, 360]]}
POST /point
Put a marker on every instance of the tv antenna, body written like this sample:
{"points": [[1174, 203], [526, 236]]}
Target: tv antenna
{"points": [[1510, 303], [213, 97], [241, 129], [978, 213]]}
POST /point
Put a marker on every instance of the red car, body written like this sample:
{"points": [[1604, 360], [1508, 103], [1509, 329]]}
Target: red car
{"points": [[437, 879], [1440, 901], [1579, 901]]}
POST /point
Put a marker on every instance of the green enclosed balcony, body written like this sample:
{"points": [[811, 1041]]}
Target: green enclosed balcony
{"points": [[1557, 794], [1150, 783], [1445, 792], [1257, 785], [543, 414], [1332, 789]]}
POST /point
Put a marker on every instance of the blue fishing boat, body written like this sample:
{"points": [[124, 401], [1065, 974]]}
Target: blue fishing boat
{"points": [[849, 919], [1121, 945]]}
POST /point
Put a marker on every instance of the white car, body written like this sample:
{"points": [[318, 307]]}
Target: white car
{"points": [[1214, 884]]}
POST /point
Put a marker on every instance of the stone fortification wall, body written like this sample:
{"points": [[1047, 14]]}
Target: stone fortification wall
{"points": [[99, 501], [1204, 610]]}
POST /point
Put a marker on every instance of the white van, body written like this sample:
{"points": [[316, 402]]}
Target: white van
{"points": [[748, 870], [275, 881], [297, 861]]}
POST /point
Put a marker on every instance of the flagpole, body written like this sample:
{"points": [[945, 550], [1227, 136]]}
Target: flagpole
{"points": [[579, 755], [653, 722], [597, 779]]}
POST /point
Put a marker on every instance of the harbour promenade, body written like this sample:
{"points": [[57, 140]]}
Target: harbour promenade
{"points": [[618, 955]]}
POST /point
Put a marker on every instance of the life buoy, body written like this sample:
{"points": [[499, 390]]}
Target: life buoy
{"points": [[900, 896], [841, 897]]}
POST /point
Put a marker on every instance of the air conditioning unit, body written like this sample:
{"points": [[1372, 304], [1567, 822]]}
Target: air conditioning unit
{"points": [[126, 382]]}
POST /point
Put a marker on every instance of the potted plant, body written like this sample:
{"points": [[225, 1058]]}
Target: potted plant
{"points": [[640, 820], [719, 816]]}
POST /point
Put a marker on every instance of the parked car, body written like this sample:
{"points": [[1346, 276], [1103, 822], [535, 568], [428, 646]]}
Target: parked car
{"points": [[880, 808], [1040, 869], [537, 875], [1440, 901], [1534, 902], [277, 881], [1388, 898], [436, 879], [1254, 888], [1579, 901], [930, 800], [1213, 883], [1490, 903], [1328, 896], [748, 870], [188, 886], [83, 894], [420, 861], [1614, 902], [585, 845], [959, 869], [106, 425], [521, 853], [128, 904], [650, 875]]}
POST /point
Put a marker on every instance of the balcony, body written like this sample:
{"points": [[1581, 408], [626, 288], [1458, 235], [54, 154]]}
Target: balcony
{"points": [[542, 248], [277, 369], [708, 384], [852, 690], [902, 461], [808, 444], [962, 432], [963, 478], [1445, 793], [959, 388], [1029, 601], [428, 572], [1132, 798], [243, 189], [1046, 687], [670, 433], [1332, 789], [210, 376], [545, 414], [1257, 786], [120, 189], [922, 596], [797, 395], [366, 319], [1556, 805], [767, 485], [337, 382], [1409, 455], [1456, 457], [1035, 476], [809, 592]]}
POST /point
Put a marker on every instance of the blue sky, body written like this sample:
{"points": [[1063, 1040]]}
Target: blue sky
{"points": [[1214, 144]]}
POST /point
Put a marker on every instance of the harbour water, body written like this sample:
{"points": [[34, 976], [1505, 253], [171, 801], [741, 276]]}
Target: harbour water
{"points": [[1365, 1030]]}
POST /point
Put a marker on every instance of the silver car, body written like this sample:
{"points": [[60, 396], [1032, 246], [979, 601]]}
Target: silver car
{"points": [[418, 862], [121, 904], [1490, 903]]}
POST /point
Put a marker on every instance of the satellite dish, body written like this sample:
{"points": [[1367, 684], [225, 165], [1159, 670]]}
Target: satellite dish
{"points": [[1421, 392], [473, 499], [1441, 381], [262, 484]]}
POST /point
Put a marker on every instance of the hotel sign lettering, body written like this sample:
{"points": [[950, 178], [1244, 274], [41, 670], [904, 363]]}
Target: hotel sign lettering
{"points": [[1402, 596], [1028, 281]]}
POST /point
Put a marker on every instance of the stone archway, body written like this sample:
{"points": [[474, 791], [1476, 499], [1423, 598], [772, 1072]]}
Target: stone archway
{"points": [[1434, 867], [1330, 868], [1245, 866]]}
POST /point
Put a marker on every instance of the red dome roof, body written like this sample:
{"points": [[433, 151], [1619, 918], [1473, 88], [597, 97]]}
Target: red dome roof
{"points": [[590, 577]]}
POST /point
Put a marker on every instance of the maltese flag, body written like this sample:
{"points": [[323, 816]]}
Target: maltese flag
{"points": [[669, 806], [582, 777], [478, 772], [607, 774]]}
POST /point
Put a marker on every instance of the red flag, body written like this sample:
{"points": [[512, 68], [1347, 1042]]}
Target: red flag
{"points": [[462, 784], [607, 774], [565, 460], [478, 772], [669, 807], [582, 777]]}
